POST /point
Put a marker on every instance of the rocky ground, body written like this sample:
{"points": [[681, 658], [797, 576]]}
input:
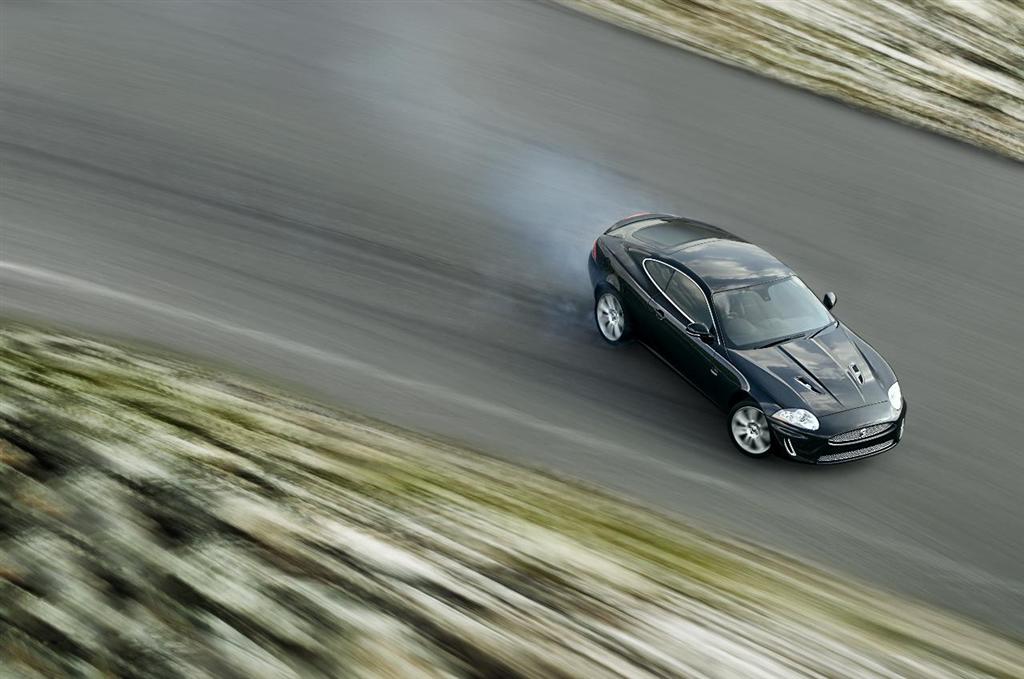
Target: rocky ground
{"points": [[951, 66], [158, 519]]}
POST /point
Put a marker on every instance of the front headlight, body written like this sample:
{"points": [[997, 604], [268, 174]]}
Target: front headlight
{"points": [[798, 417], [895, 396]]}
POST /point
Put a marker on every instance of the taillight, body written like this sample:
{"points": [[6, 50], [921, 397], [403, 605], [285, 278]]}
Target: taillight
{"points": [[593, 253]]}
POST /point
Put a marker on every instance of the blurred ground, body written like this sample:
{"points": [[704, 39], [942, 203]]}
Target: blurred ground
{"points": [[390, 205], [162, 520]]}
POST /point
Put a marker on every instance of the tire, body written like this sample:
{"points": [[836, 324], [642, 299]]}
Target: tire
{"points": [[748, 429], [613, 324]]}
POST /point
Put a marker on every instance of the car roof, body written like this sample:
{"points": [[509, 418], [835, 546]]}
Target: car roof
{"points": [[728, 263], [721, 259]]}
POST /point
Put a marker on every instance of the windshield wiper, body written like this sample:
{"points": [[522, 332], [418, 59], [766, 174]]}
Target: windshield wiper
{"points": [[780, 341], [822, 328]]}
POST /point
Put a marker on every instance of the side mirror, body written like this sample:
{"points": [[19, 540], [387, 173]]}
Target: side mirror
{"points": [[700, 330], [829, 300]]}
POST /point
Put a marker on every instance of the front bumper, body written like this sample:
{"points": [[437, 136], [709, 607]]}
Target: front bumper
{"points": [[843, 437]]}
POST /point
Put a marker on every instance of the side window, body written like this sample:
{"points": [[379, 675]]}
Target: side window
{"points": [[659, 273], [688, 297]]}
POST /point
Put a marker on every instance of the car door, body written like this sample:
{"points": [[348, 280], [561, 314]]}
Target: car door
{"points": [[680, 303]]}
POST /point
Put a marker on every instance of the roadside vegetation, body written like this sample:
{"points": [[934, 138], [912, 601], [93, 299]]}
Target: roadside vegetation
{"points": [[951, 66], [161, 519]]}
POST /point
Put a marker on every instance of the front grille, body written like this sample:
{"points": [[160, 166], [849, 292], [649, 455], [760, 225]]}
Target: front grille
{"points": [[861, 434], [848, 455]]}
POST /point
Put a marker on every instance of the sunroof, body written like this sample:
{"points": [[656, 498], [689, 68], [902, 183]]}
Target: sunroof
{"points": [[670, 234]]}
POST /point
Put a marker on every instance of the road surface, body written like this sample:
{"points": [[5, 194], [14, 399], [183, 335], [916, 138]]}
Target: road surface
{"points": [[390, 205]]}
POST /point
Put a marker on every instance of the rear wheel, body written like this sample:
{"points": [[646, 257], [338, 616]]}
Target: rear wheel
{"points": [[748, 429], [610, 316]]}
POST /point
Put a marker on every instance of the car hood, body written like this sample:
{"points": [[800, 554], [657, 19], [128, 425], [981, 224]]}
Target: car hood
{"points": [[834, 371]]}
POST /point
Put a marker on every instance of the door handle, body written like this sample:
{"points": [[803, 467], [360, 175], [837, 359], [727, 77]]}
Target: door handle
{"points": [[714, 371], [659, 314]]}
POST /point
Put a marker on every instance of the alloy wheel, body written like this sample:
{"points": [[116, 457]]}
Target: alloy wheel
{"points": [[610, 319], [750, 430]]}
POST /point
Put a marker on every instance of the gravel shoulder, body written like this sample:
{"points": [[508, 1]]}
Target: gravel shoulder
{"points": [[956, 68], [162, 519]]}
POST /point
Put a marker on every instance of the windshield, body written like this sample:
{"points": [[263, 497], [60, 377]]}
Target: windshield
{"points": [[769, 313]]}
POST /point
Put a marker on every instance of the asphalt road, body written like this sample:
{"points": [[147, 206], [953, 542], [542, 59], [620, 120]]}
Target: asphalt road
{"points": [[390, 205]]}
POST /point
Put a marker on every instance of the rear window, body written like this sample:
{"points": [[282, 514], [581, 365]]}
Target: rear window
{"points": [[670, 234]]}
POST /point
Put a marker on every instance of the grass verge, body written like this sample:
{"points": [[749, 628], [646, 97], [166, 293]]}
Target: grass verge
{"points": [[161, 519]]}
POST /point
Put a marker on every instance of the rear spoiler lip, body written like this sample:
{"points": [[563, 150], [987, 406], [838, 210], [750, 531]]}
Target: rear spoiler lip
{"points": [[637, 217]]}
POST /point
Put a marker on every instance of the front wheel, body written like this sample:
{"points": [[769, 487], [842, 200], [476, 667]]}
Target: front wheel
{"points": [[748, 429], [610, 316]]}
